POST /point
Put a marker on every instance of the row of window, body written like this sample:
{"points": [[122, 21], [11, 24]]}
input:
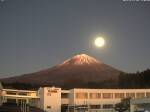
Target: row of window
{"points": [[84, 95], [105, 106], [19, 93]]}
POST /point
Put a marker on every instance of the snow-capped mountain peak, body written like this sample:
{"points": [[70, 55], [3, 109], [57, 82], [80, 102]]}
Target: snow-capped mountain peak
{"points": [[81, 59]]}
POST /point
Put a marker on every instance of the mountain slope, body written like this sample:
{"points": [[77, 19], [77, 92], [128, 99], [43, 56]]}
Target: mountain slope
{"points": [[75, 72]]}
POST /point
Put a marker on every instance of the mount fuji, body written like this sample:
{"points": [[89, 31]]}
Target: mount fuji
{"points": [[79, 71]]}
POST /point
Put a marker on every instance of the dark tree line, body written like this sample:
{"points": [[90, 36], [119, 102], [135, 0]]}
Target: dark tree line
{"points": [[125, 80], [79, 83], [135, 80], [18, 85]]}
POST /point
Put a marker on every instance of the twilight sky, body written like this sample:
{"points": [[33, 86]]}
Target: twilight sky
{"points": [[38, 34]]}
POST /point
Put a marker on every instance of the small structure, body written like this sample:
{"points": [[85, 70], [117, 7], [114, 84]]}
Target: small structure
{"points": [[19, 99], [140, 105], [20, 96]]}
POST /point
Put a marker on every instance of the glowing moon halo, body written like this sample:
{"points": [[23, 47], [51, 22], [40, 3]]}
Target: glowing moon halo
{"points": [[99, 42]]}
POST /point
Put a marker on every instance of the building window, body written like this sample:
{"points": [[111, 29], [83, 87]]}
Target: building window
{"points": [[132, 95], [95, 95], [22, 93], [119, 95], [95, 106], [140, 95], [64, 95], [48, 107], [82, 95], [11, 93], [107, 95], [148, 94], [107, 106]]}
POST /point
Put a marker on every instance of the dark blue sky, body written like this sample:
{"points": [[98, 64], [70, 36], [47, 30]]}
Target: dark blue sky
{"points": [[37, 34]]}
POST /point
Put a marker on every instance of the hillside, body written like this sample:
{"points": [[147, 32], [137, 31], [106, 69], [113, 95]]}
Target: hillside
{"points": [[78, 71]]}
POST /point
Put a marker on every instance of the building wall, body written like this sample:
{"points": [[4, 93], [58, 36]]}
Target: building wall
{"points": [[104, 97], [50, 99]]}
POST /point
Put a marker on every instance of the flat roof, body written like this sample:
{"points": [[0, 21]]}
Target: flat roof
{"points": [[15, 90]]}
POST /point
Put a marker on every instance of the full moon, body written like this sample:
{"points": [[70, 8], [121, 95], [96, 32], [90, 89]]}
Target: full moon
{"points": [[99, 42]]}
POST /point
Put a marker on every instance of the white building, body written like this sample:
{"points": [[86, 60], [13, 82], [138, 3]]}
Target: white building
{"points": [[88, 99], [53, 99]]}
